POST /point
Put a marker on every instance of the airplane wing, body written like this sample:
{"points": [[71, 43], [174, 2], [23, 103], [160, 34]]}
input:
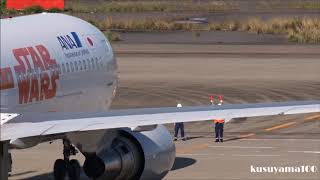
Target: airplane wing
{"points": [[35, 125]]}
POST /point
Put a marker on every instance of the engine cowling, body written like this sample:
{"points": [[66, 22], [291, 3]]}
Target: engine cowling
{"points": [[133, 155]]}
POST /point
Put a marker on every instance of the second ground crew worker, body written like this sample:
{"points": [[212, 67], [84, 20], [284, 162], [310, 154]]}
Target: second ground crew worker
{"points": [[219, 123], [179, 126]]}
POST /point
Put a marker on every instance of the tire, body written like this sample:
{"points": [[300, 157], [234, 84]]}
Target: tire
{"points": [[93, 167], [59, 169], [74, 170]]}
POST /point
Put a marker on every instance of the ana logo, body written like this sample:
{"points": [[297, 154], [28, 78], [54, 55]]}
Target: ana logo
{"points": [[69, 41]]}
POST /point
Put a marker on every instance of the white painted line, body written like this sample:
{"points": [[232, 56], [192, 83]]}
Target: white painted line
{"points": [[279, 139], [241, 147], [192, 154], [311, 152], [255, 155]]}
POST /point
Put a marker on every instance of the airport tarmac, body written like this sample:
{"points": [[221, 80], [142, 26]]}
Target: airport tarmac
{"points": [[235, 159], [201, 158], [162, 75]]}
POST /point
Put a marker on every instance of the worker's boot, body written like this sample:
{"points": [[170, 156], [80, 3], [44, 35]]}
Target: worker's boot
{"points": [[217, 140], [175, 139], [221, 140]]}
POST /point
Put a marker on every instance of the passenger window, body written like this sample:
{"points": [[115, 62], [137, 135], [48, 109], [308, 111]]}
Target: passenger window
{"points": [[84, 64], [24, 75], [58, 69], [92, 63], [49, 68], [97, 63], [80, 65], [76, 66], [101, 62], [68, 68], [63, 69], [89, 65], [30, 73], [72, 67], [18, 75]]}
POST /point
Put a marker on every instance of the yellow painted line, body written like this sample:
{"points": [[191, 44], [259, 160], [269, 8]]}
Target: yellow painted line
{"points": [[314, 117], [285, 125], [192, 149], [247, 135]]}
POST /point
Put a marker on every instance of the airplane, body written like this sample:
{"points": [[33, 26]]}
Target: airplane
{"points": [[58, 79]]}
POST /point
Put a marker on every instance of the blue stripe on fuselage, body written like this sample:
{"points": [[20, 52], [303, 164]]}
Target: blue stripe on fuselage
{"points": [[76, 38]]}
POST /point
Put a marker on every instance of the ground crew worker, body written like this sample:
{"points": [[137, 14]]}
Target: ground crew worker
{"points": [[178, 126], [219, 123], [211, 100], [220, 100]]}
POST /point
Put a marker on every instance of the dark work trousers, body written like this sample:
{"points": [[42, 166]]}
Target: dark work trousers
{"points": [[219, 130], [178, 126]]}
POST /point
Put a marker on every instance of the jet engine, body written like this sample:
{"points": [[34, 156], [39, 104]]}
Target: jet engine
{"points": [[133, 155]]}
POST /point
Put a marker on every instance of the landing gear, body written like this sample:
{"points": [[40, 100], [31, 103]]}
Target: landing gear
{"points": [[74, 170], [59, 169], [5, 162], [65, 166]]}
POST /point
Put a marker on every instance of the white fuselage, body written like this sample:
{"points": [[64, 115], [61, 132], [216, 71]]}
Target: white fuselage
{"points": [[55, 63], [67, 65]]}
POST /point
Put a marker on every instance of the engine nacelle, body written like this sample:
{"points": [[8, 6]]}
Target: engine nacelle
{"points": [[133, 155]]}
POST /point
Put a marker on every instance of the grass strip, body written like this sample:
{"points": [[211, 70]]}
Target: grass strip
{"points": [[303, 30]]}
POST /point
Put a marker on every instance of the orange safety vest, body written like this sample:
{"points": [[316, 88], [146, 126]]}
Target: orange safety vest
{"points": [[218, 121]]}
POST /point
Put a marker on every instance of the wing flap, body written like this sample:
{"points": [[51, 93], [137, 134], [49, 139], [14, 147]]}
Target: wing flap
{"points": [[5, 117]]}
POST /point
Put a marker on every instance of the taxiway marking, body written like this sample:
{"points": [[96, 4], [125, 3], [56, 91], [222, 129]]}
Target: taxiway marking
{"points": [[247, 135], [241, 147], [311, 152], [182, 154], [239, 155], [190, 150], [285, 125], [256, 155], [316, 140], [314, 117]]}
